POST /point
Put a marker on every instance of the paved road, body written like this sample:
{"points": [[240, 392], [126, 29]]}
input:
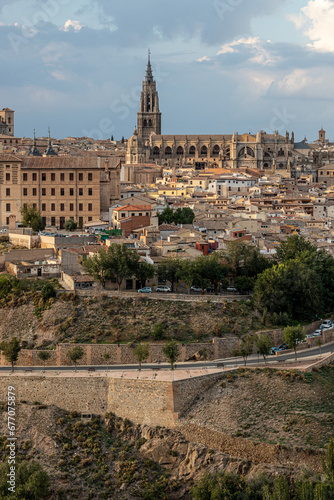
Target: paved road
{"points": [[228, 362]]}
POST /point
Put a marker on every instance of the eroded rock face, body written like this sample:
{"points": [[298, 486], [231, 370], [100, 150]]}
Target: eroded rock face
{"points": [[59, 441]]}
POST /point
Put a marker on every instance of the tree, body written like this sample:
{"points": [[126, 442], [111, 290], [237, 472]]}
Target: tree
{"points": [[48, 291], [31, 217], [171, 351], [99, 266], [70, 225], [244, 283], [292, 336], [44, 356], [292, 287], [32, 482], [11, 350], [244, 348], [169, 270], [158, 331], [263, 345], [245, 259], [107, 357], [280, 490], [144, 272], [75, 354], [141, 352], [294, 247], [329, 465], [183, 215], [208, 270]]}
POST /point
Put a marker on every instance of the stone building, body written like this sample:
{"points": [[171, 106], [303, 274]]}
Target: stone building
{"points": [[7, 122], [147, 144], [60, 187]]}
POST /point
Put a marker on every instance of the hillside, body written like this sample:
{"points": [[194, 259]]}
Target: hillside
{"points": [[109, 457], [100, 319]]}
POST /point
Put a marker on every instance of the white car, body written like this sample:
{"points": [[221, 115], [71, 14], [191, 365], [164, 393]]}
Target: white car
{"points": [[163, 288], [231, 289], [326, 324], [317, 333]]}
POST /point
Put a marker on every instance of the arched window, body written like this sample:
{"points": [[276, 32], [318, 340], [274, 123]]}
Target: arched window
{"points": [[250, 152], [192, 150], [227, 153], [156, 151], [241, 152], [148, 108], [265, 165], [9, 120], [215, 150], [150, 123], [204, 151], [179, 150], [280, 152], [168, 151], [145, 123]]}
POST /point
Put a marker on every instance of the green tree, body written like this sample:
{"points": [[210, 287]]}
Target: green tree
{"points": [[70, 225], [32, 482], [141, 352], [280, 490], [328, 466], [11, 350], [208, 270], [321, 492], [31, 217], [263, 345], [171, 351], [222, 486], [244, 348], [48, 291], [291, 287], [294, 247], [245, 259], [158, 331], [75, 354], [179, 216], [44, 356], [107, 357], [143, 272], [292, 336], [169, 270], [117, 262], [167, 216], [244, 284]]}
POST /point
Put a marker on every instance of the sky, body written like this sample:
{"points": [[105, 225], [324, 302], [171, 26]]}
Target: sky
{"points": [[220, 65]]}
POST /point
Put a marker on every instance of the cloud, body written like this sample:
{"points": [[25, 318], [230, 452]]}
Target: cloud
{"points": [[317, 20], [75, 25], [204, 58]]}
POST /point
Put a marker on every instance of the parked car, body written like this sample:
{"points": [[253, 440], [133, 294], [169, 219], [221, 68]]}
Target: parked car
{"points": [[317, 333], [146, 289], [210, 289], [163, 288], [309, 335], [231, 289], [273, 350], [195, 289], [326, 324], [283, 347]]}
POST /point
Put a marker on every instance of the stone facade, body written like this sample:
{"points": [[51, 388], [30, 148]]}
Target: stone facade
{"points": [[147, 145]]}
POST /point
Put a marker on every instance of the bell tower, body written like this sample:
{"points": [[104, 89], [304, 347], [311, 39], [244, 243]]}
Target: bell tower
{"points": [[149, 116]]}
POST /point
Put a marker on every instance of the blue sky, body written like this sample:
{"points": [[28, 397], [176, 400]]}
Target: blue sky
{"points": [[220, 65]]}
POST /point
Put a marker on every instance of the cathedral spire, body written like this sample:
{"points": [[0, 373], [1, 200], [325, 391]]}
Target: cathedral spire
{"points": [[50, 151], [34, 151], [149, 74]]}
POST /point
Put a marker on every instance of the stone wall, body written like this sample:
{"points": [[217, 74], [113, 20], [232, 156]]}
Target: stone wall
{"points": [[24, 240], [148, 402]]}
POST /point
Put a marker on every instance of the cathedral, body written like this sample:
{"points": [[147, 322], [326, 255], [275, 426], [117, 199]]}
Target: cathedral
{"points": [[148, 145]]}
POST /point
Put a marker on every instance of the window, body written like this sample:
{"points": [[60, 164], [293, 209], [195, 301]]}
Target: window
{"points": [[7, 218], [90, 192], [80, 221], [53, 177], [25, 192], [80, 207], [7, 176], [7, 191], [25, 177], [71, 191], [44, 221], [53, 221], [71, 176], [62, 207], [62, 177], [53, 207], [80, 191], [34, 177], [62, 192], [80, 177], [7, 207], [140, 214], [122, 215], [43, 192], [147, 213], [90, 176], [43, 177], [90, 219], [43, 207], [34, 191], [53, 192], [90, 207], [71, 207]]}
